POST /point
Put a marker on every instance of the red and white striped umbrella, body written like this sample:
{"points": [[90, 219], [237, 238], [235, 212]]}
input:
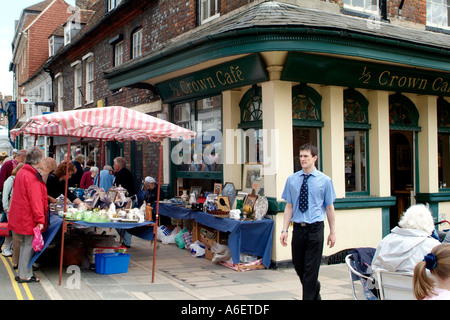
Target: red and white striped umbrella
{"points": [[107, 123]]}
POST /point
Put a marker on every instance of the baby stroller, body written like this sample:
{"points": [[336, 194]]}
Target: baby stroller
{"points": [[358, 262]]}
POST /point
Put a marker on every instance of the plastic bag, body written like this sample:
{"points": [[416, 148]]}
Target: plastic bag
{"points": [[197, 249], [162, 232], [38, 241], [179, 240], [220, 252]]}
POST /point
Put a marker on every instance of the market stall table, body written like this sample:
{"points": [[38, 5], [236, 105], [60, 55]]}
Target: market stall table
{"points": [[252, 237], [140, 230], [176, 212]]}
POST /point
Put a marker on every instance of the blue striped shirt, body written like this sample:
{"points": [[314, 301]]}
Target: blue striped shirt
{"points": [[321, 194]]}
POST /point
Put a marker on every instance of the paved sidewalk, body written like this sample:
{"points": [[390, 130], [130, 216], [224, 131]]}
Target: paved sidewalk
{"points": [[179, 276]]}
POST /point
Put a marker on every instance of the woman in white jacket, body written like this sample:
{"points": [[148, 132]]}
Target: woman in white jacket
{"points": [[408, 243], [6, 201]]}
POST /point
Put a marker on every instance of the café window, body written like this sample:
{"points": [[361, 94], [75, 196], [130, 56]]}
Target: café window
{"points": [[306, 120], [356, 131], [443, 112], [201, 157], [251, 121]]}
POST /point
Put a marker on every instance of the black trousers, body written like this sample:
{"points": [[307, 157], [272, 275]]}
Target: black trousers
{"points": [[307, 248]]}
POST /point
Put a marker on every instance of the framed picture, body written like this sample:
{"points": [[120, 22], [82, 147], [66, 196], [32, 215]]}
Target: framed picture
{"points": [[239, 197], [230, 191], [217, 188], [250, 200], [196, 190], [250, 174], [223, 203], [258, 186]]}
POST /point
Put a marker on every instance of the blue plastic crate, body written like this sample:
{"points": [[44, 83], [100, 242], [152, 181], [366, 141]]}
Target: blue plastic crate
{"points": [[109, 263]]}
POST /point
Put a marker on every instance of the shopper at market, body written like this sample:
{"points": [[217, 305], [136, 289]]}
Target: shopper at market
{"points": [[106, 177], [56, 183], [8, 166], [12, 243], [124, 177], [28, 209], [75, 180], [47, 166], [310, 196], [88, 177], [408, 243]]}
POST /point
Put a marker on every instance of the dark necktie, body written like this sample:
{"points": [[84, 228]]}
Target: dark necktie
{"points": [[303, 199]]}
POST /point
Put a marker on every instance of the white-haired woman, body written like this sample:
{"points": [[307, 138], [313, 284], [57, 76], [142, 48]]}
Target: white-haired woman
{"points": [[87, 179], [28, 209], [408, 243]]}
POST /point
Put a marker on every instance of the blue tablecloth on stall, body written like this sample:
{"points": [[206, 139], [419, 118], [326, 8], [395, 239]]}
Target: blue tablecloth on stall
{"points": [[252, 237], [142, 230], [176, 212]]}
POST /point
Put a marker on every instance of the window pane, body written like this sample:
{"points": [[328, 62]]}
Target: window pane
{"points": [[300, 137], [355, 161], [444, 160]]}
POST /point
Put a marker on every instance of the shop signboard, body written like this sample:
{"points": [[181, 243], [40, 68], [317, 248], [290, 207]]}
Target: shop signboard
{"points": [[237, 73], [321, 69]]}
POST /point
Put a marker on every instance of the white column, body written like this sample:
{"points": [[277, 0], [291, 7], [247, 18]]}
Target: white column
{"points": [[427, 144], [277, 121], [333, 155], [379, 155]]}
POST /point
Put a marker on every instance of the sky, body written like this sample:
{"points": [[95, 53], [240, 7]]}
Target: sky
{"points": [[8, 14]]}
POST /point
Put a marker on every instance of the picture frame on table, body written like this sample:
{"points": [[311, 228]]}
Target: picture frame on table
{"points": [[223, 203], [258, 186], [230, 191], [250, 200], [197, 190], [240, 196], [250, 174], [217, 188]]}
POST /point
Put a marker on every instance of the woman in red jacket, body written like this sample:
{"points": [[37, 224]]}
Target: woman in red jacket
{"points": [[28, 209]]}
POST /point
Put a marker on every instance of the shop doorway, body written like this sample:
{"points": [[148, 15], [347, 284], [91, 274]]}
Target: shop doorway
{"points": [[402, 162]]}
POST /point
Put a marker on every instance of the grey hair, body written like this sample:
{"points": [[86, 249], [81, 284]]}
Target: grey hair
{"points": [[107, 167], [34, 155], [121, 162]]}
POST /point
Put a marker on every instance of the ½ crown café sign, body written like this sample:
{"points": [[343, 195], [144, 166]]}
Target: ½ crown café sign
{"points": [[236, 73], [358, 74]]}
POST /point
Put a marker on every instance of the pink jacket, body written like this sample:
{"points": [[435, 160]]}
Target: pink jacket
{"points": [[29, 202]]}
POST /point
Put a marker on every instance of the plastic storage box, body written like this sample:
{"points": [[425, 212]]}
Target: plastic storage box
{"points": [[109, 263]]}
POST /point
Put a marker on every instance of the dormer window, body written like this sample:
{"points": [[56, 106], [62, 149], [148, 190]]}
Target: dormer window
{"points": [[370, 7], [438, 13], [208, 10], [112, 4], [67, 33]]}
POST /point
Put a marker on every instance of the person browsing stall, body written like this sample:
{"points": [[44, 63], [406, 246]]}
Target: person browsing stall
{"points": [[124, 177], [28, 209], [106, 178], [310, 196], [88, 177], [56, 183]]}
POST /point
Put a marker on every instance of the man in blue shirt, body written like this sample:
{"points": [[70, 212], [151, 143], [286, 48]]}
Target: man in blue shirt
{"points": [[307, 210]]}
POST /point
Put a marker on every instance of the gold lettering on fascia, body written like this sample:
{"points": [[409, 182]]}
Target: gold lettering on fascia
{"points": [[231, 76], [390, 79]]}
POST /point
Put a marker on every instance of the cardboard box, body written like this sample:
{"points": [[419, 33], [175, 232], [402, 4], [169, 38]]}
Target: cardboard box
{"points": [[208, 253], [98, 250]]}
